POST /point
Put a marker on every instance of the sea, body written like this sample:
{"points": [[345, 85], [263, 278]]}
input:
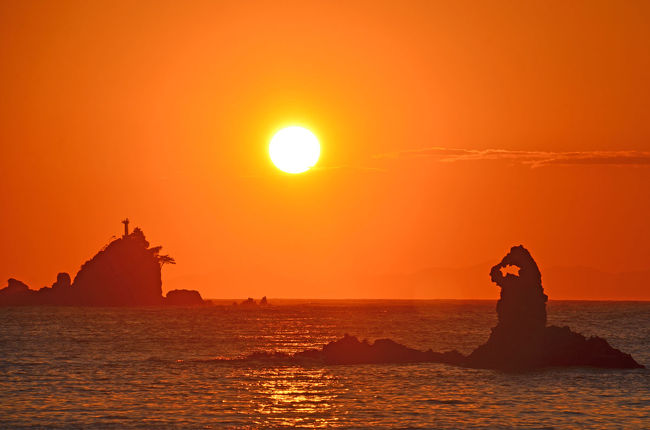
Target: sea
{"points": [[73, 367]]}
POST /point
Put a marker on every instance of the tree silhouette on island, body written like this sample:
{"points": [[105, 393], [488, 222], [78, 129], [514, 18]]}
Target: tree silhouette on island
{"points": [[126, 272]]}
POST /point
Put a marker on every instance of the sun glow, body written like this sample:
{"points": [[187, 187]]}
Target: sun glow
{"points": [[294, 149]]}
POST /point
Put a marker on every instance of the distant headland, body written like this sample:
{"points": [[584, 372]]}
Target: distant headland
{"points": [[125, 272]]}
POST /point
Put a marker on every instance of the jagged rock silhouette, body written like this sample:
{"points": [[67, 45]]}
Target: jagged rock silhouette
{"points": [[521, 339], [523, 302], [517, 338], [126, 272]]}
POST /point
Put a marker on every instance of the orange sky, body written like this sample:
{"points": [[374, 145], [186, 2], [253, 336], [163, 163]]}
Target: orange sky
{"points": [[162, 111]]}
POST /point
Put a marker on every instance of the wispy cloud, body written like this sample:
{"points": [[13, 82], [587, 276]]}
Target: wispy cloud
{"points": [[531, 158]]}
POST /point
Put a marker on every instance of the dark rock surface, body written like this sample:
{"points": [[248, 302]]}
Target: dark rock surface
{"points": [[184, 298], [15, 293], [563, 347], [126, 272], [521, 339], [349, 350]]}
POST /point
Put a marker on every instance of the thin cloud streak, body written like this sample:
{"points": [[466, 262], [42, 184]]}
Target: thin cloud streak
{"points": [[531, 158]]}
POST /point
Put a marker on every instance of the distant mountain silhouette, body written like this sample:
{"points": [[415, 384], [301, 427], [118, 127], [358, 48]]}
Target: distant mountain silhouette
{"points": [[521, 340], [567, 283], [587, 283], [126, 272]]}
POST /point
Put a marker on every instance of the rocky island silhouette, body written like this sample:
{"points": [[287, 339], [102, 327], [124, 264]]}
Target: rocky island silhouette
{"points": [[521, 338], [520, 341], [126, 272]]}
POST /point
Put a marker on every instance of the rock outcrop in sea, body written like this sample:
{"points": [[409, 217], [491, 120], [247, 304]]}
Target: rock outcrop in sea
{"points": [[520, 341], [250, 302], [126, 272], [184, 298], [349, 350]]}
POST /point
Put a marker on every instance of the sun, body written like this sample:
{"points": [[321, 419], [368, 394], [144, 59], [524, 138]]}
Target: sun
{"points": [[294, 149]]}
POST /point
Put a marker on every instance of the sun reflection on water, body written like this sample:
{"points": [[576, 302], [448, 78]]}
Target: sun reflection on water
{"points": [[160, 370], [291, 396]]}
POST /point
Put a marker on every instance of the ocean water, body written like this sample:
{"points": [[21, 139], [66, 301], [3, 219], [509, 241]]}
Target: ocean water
{"points": [[164, 367]]}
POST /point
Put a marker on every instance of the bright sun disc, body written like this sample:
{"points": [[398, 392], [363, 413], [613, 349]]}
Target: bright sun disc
{"points": [[294, 149]]}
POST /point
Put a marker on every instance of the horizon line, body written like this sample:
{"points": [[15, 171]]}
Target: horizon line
{"points": [[426, 299]]}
